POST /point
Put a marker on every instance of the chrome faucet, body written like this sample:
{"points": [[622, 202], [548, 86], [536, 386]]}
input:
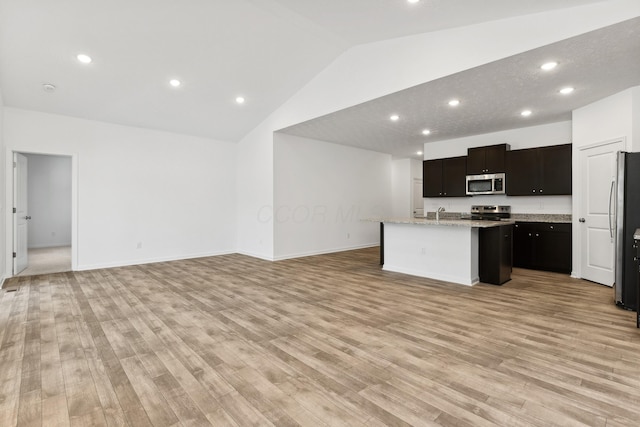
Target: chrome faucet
{"points": [[440, 209]]}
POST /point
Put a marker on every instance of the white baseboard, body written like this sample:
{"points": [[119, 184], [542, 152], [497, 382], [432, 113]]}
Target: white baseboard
{"points": [[48, 245], [149, 260], [209, 254], [254, 255], [325, 251]]}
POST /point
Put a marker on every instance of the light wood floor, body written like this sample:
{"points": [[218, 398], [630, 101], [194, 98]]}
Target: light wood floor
{"points": [[47, 260], [326, 340]]}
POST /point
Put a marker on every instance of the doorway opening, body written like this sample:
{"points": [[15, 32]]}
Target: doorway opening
{"points": [[42, 240], [417, 201]]}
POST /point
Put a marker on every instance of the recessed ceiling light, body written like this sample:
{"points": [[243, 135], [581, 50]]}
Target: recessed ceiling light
{"points": [[240, 100], [48, 87], [85, 59], [566, 90], [426, 132], [549, 65], [394, 118], [454, 102], [175, 82], [525, 113], [413, 1], [419, 153]]}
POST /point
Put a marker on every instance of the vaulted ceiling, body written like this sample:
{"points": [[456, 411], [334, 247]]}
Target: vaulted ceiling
{"points": [[492, 97], [262, 50]]}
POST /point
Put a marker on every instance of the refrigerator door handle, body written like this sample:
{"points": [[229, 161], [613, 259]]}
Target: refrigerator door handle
{"points": [[613, 183]]}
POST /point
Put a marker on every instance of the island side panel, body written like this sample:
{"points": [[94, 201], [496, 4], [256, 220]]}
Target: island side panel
{"points": [[434, 251]]}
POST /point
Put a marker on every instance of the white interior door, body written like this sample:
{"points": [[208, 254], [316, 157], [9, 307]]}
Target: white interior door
{"points": [[597, 212], [20, 217], [417, 202]]}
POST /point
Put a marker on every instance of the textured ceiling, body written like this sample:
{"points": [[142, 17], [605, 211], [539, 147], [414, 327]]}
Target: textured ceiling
{"points": [[265, 50], [597, 64]]}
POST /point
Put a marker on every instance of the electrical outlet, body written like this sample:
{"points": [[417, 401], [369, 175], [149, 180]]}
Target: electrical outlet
{"points": [[348, 235], [423, 251], [139, 245]]}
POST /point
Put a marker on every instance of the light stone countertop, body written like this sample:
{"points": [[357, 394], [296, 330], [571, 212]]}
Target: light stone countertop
{"points": [[551, 218], [522, 217], [443, 222]]}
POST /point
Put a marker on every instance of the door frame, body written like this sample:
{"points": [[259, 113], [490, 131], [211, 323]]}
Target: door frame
{"points": [[9, 197], [577, 196], [20, 173]]}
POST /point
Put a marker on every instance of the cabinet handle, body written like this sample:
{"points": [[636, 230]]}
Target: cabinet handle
{"points": [[551, 227], [533, 191], [529, 234], [537, 235], [540, 191]]}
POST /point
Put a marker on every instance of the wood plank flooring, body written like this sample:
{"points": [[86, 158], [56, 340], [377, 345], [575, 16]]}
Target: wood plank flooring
{"points": [[330, 340]]}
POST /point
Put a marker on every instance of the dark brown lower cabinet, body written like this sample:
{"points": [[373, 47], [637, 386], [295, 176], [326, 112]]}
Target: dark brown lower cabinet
{"points": [[637, 242], [495, 254], [542, 246]]}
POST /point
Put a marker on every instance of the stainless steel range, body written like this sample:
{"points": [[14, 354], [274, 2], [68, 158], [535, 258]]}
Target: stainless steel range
{"points": [[490, 212]]}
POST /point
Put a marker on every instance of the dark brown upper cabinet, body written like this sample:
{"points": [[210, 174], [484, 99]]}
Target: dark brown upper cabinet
{"points": [[444, 177], [490, 159], [539, 171]]}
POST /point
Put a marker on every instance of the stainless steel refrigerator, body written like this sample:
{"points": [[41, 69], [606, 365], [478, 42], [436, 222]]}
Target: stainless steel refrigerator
{"points": [[627, 221]]}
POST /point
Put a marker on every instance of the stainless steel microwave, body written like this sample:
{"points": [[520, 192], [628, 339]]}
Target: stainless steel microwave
{"points": [[485, 184]]}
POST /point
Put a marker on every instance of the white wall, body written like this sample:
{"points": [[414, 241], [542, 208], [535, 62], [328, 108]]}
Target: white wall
{"points": [[401, 188], [254, 177], [534, 136], [49, 200], [606, 119], [3, 233], [173, 194], [635, 114], [322, 192]]}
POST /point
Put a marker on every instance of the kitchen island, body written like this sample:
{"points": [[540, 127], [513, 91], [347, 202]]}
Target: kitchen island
{"points": [[446, 249]]}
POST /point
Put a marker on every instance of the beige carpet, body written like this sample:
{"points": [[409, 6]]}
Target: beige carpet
{"points": [[48, 260]]}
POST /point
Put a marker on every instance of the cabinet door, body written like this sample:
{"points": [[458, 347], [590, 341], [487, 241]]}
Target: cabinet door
{"points": [[522, 245], [555, 170], [552, 250], [506, 252], [432, 178], [494, 158], [523, 170], [454, 171], [476, 161], [637, 245]]}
